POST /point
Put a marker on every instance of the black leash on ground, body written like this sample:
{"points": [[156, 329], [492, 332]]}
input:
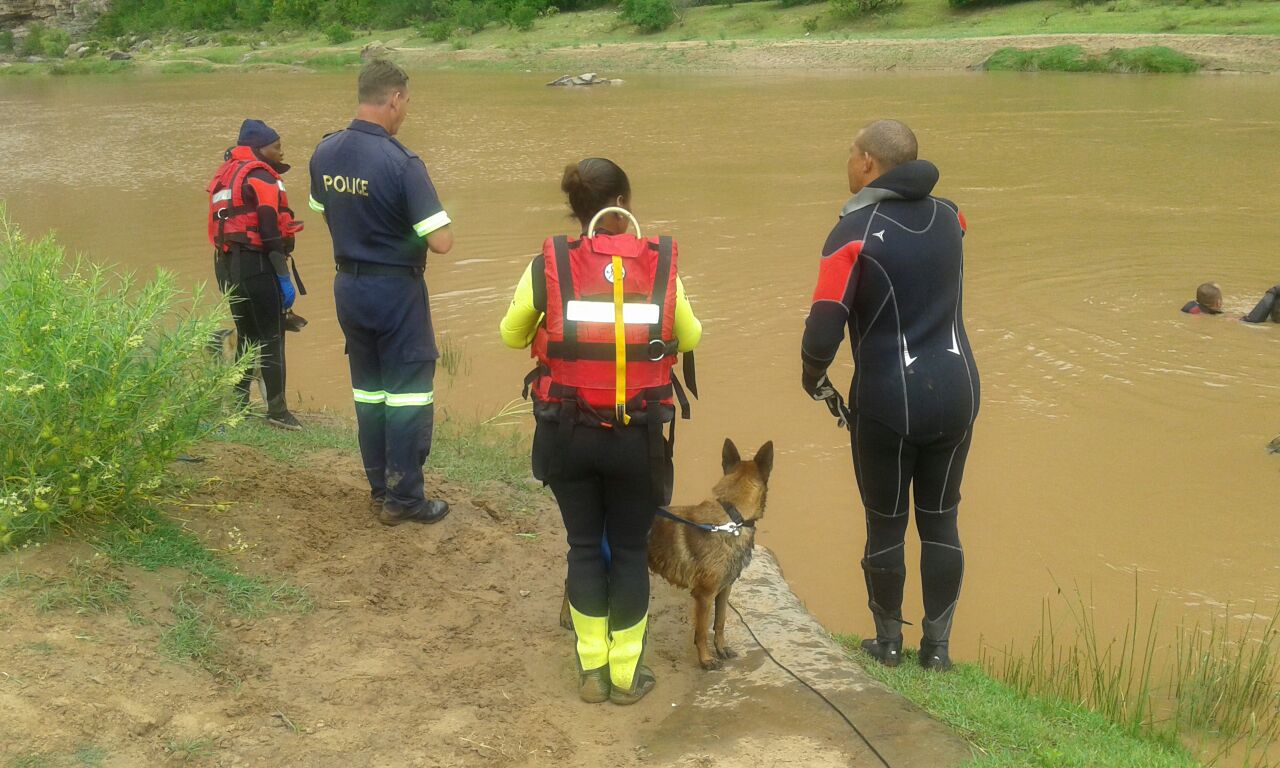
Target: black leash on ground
{"points": [[819, 694]]}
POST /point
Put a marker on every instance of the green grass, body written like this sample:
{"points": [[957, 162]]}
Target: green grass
{"points": [[1072, 58], [317, 434], [471, 452], [193, 636], [162, 544], [90, 67], [915, 18], [1010, 730], [186, 68], [188, 750], [1215, 687], [463, 450], [90, 756], [87, 587]]}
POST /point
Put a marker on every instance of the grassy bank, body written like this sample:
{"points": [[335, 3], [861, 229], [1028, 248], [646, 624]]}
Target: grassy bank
{"points": [[1010, 730], [1072, 58], [1209, 695], [735, 32]]}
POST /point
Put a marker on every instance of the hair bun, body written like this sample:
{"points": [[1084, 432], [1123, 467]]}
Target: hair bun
{"points": [[572, 181]]}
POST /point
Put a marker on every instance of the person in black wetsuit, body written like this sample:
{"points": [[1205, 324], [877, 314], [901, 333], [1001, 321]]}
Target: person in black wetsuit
{"points": [[1208, 301], [1268, 308], [891, 273]]}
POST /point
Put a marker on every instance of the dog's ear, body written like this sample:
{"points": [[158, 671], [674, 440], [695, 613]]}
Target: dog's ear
{"points": [[764, 460], [729, 458]]}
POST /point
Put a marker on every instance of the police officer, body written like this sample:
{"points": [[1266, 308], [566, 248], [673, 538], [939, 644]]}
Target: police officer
{"points": [[384, 215], [891, 275], [252, 230]]}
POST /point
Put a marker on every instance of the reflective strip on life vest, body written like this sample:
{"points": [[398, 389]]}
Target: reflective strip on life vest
{"points": [[222, 196], [412, 398], [619, 343], [603, 312], [316, 205], [431, 224], [363, 396]]}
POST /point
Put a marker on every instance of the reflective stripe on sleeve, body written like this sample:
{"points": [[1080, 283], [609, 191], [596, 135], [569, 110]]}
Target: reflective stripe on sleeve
{"points": [[410, 398], [431, 224], [316, 205], [364, 396]]}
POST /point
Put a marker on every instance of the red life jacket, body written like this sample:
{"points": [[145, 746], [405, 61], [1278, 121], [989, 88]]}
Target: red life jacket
{"points": [[575, 345], [231, 219]]}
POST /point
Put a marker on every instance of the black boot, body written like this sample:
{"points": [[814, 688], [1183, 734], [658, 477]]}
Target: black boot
{"points": [[933, 645], [887, 647]]}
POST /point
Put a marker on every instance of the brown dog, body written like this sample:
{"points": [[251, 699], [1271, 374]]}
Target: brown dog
{"points": [[708, 562]]}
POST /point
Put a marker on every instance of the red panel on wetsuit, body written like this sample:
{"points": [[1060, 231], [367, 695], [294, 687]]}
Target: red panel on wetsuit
{"points": [[833, 275], [964, 225]]}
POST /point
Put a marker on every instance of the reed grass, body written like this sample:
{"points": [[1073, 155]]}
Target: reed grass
{"points": [[1216, 687], [453, 357]]}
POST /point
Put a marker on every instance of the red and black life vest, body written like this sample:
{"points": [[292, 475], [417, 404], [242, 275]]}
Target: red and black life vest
{"points": [[232, 220], [576, 343]]}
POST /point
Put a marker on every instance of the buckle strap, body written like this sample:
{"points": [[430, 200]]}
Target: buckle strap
{"points": [[605, 350]]}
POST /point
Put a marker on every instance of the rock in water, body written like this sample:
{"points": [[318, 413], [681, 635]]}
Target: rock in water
{"points": [[1274, 446]]}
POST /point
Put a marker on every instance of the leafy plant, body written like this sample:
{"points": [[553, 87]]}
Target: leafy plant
{"points": [[106, 380], [851, 9], [649, 15], [337, 34]]}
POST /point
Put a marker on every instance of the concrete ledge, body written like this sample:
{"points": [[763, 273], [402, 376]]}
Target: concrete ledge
{"points": [[752, 713]]}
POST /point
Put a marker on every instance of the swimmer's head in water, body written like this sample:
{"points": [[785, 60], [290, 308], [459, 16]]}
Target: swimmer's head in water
{"points": [[1209, 295], [878, 148]]}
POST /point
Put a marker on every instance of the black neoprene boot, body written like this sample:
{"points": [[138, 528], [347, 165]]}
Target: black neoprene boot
{"points": [[886, 648], [933, 645]]}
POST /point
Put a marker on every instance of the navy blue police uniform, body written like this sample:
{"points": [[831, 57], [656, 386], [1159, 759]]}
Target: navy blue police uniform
{"points": [[891, 278], [380, 205]]}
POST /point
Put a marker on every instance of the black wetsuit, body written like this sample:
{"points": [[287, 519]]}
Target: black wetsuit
{"points": [[892, 275], [1262, 312], [1194, 307]]}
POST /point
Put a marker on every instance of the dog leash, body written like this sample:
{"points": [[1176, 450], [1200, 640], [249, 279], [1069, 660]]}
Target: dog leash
{"points": [[734, 526], [819, 694]]}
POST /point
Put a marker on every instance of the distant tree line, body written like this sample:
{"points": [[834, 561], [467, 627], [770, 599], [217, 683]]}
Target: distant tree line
{"points": [[143, 16]]}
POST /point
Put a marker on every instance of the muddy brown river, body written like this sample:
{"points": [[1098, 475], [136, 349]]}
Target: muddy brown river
{"points": [[1117, 436]]}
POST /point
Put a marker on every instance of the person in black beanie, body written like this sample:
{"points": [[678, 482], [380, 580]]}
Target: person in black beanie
{"points": [[252, 230]]}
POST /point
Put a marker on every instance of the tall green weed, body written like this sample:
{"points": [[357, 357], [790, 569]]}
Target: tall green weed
{"points": [[105, 381]]}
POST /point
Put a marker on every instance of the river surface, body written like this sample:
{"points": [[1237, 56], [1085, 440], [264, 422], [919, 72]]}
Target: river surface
{"points": [[1117, 436]]}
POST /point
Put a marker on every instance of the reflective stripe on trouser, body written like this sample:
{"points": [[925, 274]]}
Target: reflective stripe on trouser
{"points": [[593, 640], [626, 646], [387, 326]]}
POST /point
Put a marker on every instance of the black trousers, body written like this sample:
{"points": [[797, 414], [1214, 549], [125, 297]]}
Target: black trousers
{"points": [[392, 354], [889, 465], [257, 307], [603, 487]]}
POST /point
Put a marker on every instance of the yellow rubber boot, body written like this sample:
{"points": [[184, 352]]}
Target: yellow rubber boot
{"points": [[593, 655], [631, 680]]}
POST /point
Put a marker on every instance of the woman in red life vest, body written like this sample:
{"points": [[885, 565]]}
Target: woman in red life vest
{"points": [[252, 231], [606, 316]]}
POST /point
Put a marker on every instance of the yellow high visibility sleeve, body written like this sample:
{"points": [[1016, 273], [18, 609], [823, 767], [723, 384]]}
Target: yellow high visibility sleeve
{"points": [[688, 329], [521, 321]]}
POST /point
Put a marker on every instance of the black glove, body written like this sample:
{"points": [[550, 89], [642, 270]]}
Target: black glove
{"points": [[823, 390]]}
